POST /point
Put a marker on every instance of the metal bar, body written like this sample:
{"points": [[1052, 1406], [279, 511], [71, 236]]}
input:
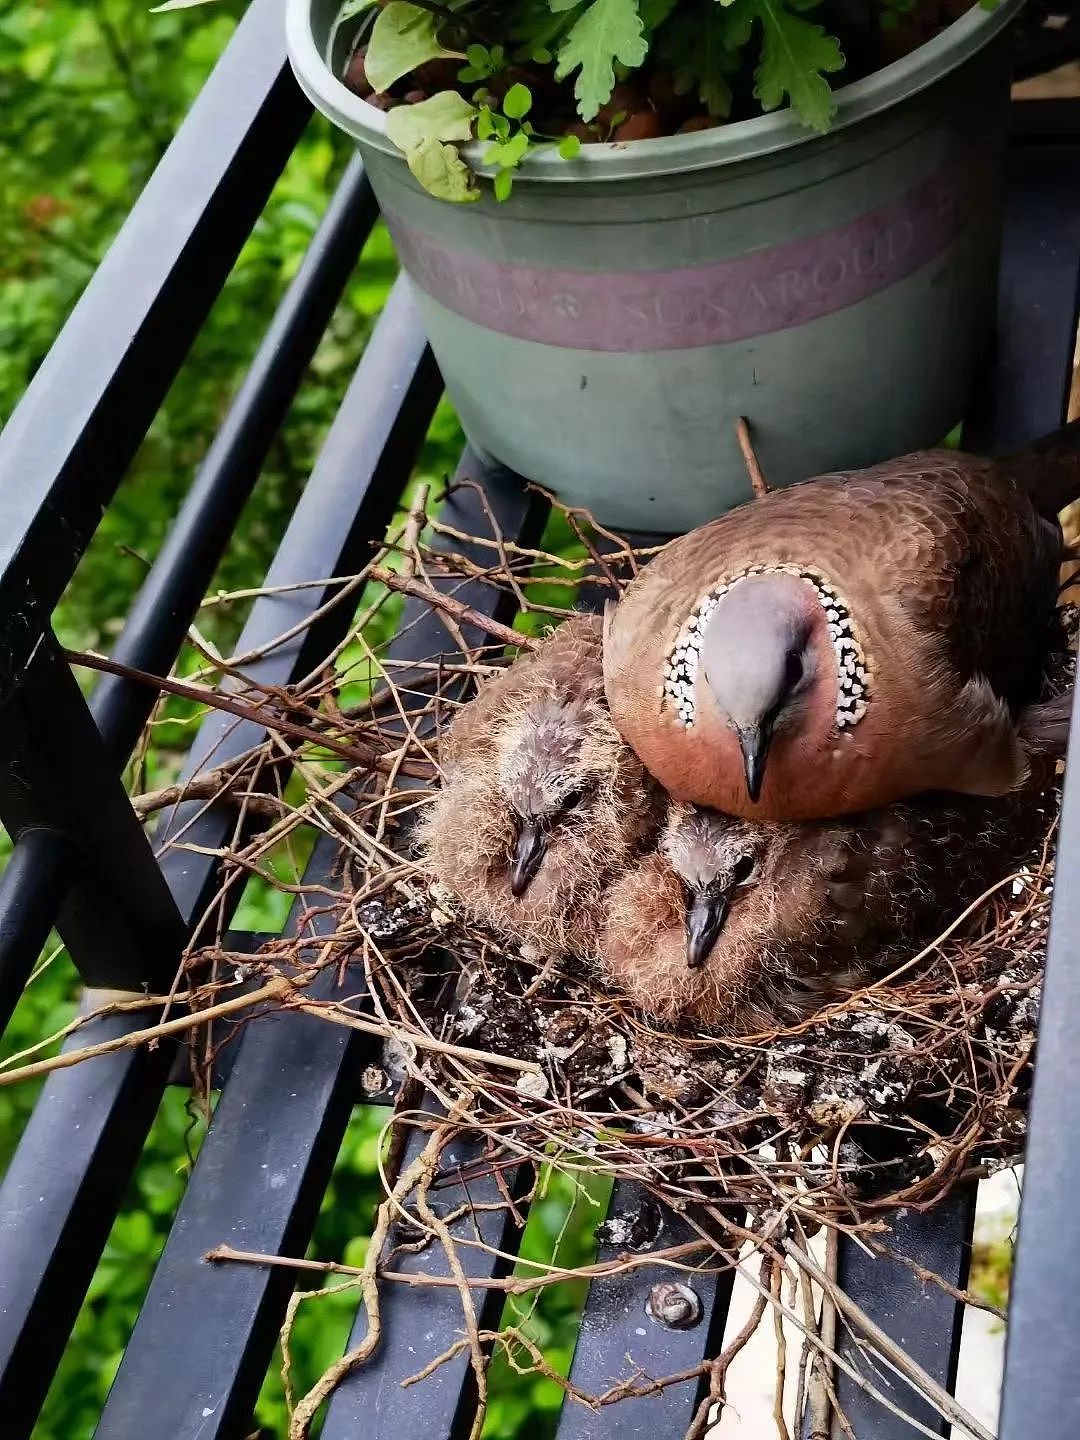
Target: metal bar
{"points": [[349, 500], [1024, 392], [619, 1340], [57, 1205], [56, 776], [176, 585], [70, 440], [921, 1317], [34, 886], [1041, 1393], [202, 1343], [395, 389], [420, 1322]]}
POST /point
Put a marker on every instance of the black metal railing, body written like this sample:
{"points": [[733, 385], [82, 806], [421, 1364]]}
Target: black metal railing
{"points": [[126, 907]]}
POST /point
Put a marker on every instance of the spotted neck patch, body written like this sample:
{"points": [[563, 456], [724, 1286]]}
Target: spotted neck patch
{"points": [[852, 671]]}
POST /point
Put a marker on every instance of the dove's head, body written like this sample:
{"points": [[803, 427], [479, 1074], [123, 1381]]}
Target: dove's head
{"points": [[534, 820], [557, 763], [716, 858], [762, 655]]}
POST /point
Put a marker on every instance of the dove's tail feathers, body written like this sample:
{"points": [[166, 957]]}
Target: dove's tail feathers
{"points": [[1050, 468], [1044, 728]]}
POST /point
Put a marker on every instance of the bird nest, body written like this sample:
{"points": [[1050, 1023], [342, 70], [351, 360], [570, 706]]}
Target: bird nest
{"points": [[890, 1096]]}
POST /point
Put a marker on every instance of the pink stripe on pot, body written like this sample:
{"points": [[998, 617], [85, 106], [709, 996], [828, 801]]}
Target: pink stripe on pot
{"points": [[680, 309]]}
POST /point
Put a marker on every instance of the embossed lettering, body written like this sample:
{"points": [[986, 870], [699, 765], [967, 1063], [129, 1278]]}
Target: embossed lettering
{"points": [[714, 304]]}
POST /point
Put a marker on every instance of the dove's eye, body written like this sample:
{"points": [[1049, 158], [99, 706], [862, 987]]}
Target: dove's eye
{"points": [[574, 799], [745, 870]]}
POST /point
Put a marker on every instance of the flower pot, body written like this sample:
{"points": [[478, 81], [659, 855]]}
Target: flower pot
{"points": [[601, 331]]}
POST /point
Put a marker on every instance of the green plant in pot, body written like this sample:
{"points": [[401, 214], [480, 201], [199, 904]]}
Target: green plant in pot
{"points": [[629, 222]]}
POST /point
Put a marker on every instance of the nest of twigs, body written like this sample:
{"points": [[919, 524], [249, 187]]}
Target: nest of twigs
{"points": [[891, 1098]]}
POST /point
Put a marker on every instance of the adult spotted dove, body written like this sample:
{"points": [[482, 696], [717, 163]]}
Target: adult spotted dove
{"points": [[541, 802], [743, 927], [851, 641]]}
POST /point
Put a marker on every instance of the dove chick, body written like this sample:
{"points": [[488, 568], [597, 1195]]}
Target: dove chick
{"points": [[541, 803], [744, 927], [851, 641]]}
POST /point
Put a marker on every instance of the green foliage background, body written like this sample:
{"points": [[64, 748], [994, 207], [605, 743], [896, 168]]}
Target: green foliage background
{"points": [[89, 98]]}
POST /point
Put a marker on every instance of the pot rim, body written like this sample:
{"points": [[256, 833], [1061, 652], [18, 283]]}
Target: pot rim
{"points": [[669, 154]]}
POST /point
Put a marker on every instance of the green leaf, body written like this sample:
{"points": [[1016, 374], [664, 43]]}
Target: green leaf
{"points": [[446, 117], [570, 147], [442, 172], [403, 37], [796, 55], [608, 31], [504, 183], [428, 133], [517, 102], [510, 154], [702, 51]]}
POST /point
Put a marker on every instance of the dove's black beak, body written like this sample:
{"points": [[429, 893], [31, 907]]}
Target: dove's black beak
{"points": [[705, 916], [529, 849], [754, 742]]}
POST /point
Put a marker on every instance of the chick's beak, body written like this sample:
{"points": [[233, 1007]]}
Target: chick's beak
{"points": [[529, 849], [705, 917], [754, 742]]}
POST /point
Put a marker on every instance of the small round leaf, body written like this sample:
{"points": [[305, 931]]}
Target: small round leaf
{"points": [[518, 102]]}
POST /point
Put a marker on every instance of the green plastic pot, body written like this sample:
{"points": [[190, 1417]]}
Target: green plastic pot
{"points": [[602, 330]]}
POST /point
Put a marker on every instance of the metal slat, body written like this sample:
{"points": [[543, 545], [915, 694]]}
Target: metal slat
{"points": [[174, 589], [64, 450], [1024, 394], [620, 1342], [54, 1218], [419, 1323], [1023, 398], [202, 1343], [32, 887], [348, 503], [921, 1317], [155, 629], [1041, 1394], [57, 777]]}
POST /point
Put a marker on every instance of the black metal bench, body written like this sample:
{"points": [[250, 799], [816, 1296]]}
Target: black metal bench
{"points": [[203, 1341]]}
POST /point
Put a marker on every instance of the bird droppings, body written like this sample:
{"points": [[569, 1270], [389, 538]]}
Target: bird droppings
{"points": [[852, 668]]}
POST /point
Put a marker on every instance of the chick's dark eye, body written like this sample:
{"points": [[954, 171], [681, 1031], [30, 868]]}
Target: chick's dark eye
{"points": [[744, 868], [574, 799], [793, 670]]}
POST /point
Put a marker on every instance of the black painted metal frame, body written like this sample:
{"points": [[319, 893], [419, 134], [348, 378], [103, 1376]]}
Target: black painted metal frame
{"points": [[125, 908]]}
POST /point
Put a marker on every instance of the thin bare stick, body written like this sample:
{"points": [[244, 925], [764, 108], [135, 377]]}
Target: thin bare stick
{"points": [[821, 1379], [920, 1379], [758, 483], [461, 612], [259, 714]]}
